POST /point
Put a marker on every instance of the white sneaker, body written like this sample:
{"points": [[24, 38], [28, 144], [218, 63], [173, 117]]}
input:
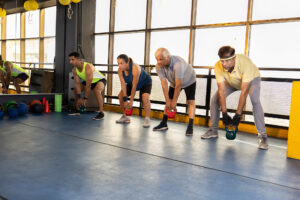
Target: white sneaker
{"points": [[123, 120], [263, 143], [146, 122]]}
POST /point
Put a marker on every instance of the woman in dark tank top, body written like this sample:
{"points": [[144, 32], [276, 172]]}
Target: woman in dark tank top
{"points": [[133, 78]]}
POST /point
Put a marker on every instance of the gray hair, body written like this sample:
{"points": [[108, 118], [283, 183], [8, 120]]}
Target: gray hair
{"points": [[162, 51]]}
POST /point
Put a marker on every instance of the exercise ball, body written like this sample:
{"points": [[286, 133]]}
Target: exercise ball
{"points": [[23, 109], [76, 1], [37, 108], [12, 111]]}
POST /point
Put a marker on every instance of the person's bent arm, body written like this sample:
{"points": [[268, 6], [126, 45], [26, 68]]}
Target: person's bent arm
{"points": [[164, 85], [135, 80], [77, 88], [8, 67], [178, 85], [222, 96], [89, 79], [244, 93], [123, 87]]}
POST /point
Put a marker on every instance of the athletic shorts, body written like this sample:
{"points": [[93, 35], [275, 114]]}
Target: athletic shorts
{"points": [[189, 92], [93, 85], [144, 89], [22, 76]]}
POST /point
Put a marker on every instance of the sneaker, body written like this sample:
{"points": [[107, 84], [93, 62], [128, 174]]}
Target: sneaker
{"points": [[99, 116], [146, 123], [263, 143], [210, 134], [189, 131], [162, 126], [123, 120]]}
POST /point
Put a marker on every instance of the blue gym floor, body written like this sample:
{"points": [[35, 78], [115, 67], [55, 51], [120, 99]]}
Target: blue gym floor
{"points": [[60, 157]]}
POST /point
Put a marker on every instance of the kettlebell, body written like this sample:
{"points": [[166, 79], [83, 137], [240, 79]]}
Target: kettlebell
{"points": [[231, 132]]}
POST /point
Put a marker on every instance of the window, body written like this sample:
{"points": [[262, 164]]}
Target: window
{"points": [[50, 21], [216, 11], [102, 16], [13, 26], [169, 13], [279, 49], [131, 44], [130, 15], [208, 41], [32, 24], [177, 42], [275, 9]]}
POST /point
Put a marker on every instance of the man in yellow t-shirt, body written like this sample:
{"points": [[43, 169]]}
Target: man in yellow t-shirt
{"points": [[236, 72]]}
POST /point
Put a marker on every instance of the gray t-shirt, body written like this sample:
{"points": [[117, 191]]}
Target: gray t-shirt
{"points": [[178, 68]]}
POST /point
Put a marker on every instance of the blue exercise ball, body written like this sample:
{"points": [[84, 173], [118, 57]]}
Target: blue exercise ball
{"points": [[12, 112], [23, 109]]}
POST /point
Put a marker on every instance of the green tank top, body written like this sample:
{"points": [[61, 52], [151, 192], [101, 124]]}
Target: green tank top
{"points": [[96, 74], [15, 71]]}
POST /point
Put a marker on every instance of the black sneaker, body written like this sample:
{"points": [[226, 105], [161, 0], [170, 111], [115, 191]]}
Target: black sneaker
{"points": [[99, 116], [162, 126], [189, 131]]}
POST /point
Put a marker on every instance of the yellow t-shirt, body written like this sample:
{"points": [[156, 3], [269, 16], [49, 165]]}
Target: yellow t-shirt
{"points": [[244, 71]]}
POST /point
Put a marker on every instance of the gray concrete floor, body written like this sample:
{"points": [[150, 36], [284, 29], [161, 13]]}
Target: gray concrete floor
{"points": [[56, 156]]}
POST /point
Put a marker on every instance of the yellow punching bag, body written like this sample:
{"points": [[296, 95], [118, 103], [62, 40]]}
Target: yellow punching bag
{"points": [[64, 2]]}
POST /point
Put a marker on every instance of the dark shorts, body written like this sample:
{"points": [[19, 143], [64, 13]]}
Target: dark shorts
{"points": [[93, 85], [189, 92], [144, 89], [22, 76]]}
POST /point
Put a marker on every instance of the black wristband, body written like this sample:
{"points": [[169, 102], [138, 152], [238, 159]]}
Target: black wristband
{"points": [[125, 98], [78, 96], [85, 98]]}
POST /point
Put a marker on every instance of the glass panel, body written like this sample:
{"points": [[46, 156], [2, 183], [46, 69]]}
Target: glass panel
{"points": [[201, 91], [13, 26], [168, 13], [132, 44], [32, 51], [273, 101], [270, 9], [171, 41], [208, 41], [275, 45], [102, 16], [13, 50], [49, 52], [216, 11], [101, 49], [50, 21], [32, 24], [130, 15], [280, 74]]}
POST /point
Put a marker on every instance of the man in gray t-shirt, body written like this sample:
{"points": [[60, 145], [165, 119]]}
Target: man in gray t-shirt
{"points": [[181, 75]]}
